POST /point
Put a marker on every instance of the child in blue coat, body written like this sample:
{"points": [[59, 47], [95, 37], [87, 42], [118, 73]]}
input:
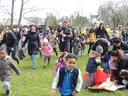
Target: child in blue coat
{"points": [[93, 62]]}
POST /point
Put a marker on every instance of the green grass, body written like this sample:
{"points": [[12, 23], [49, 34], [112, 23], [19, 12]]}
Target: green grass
{"points": [[38, 82]]}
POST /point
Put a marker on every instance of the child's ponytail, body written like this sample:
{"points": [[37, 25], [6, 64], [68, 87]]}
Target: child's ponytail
{"points": [[62, 55]]}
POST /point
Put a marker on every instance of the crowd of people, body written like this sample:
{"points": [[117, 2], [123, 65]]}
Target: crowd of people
{"points": [[108, 49]]}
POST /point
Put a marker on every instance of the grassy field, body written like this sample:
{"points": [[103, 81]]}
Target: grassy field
{"points": [[38, 82]]}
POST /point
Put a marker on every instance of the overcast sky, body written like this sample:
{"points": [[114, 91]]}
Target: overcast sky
{"points": [[63, 7]]}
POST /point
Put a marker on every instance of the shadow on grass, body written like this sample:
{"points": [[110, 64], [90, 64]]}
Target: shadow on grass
{"points": [[95, 91], [2, 94]]}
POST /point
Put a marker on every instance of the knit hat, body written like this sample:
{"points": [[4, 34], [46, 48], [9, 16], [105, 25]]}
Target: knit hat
{"points": [[45, 40], [99, 49]]}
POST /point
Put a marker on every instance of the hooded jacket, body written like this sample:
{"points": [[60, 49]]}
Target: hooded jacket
{"points": [[93, 62], [5, 69]]}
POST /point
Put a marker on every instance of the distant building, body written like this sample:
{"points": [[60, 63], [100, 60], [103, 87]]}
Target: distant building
{"points": [[94, 18]]}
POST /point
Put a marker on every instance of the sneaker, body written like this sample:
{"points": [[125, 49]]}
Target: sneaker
{"points": [[18, 61], [92, 85], [8, 93], [86, 88], [34, 68]]}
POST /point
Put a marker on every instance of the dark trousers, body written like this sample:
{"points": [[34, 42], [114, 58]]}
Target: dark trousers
{"points": [[55, 51], [40, 53], [13, 53], [67, 95], [64, 46], [90, 46], [71, 46]]}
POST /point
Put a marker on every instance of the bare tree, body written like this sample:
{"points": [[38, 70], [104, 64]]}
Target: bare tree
{"points": [[125, 11], [51, 20], [21, 11], [12, 13], [115, 13], [4, 9], [34, 20], [24, 11]]}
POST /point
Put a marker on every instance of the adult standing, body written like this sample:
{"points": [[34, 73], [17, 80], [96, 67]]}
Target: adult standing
{"points": [[46, 31], [125, 34], [59, 30], [22, 36], [120, 31], [76, 32], [66, 34], [33, 43], [101, 32], [108, 30], [52, 39], [10, 40], [114, 33]]}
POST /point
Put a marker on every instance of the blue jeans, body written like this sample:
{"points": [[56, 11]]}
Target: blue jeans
{"points": [[76, 55], [33, 57], [67, 95], [82, 52], [13, 53]]}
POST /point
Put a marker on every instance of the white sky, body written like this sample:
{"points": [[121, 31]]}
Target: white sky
{"points": [[63, 7]]}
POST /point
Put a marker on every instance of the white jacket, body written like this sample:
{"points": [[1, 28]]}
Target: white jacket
{"points": [[78, 85]]}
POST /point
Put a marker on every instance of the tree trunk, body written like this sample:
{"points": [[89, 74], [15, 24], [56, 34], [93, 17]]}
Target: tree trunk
{"points": [[21, 11], [12, 13]]}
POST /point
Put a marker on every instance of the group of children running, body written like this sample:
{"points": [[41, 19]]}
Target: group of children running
{"points": [[67, 78]]}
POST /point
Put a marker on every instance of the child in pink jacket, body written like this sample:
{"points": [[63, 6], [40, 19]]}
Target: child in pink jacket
{"points": [[47, 51], [61, 62]]}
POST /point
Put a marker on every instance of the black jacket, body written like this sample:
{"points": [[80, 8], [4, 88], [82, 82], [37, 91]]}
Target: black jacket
{"points": [[101, 33], [66, 31], [105, 45], [122, 64], [123, 47], [33, 43], [9, 39]]}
